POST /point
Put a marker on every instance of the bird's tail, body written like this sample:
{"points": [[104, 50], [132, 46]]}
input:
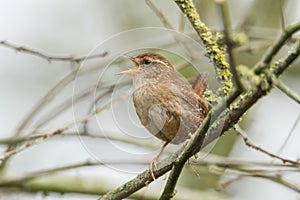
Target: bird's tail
{"points": [[199, 84]]}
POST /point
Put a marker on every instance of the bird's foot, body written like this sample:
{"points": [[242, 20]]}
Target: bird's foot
{"points": [[153, 165]]}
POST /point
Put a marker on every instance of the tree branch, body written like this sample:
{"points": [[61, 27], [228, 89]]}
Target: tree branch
{"points": [[229, 42], [160, 14], [28, 144], [52, 92], [289, 135], [274, 49], [37, 139], [49, 57], [274, 175], [249, 143], [281, 86]]}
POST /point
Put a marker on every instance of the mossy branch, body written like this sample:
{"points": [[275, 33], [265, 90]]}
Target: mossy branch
{"points": [[214, 51]]}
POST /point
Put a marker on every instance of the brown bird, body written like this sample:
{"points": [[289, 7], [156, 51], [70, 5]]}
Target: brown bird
{"points": [[167, 106]]}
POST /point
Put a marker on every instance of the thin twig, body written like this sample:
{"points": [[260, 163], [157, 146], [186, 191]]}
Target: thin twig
{"points": [[56, 132], [60, 108], [35, 110], [34, 142], [87, 163], [44, 100], [273, 50], [282, 16], [286, 90], [49, 57], [160, 14], [225, 183], [229, 41], [254, 46], [279, 179], [167, 24], [289, 135], [240, 169], [181, 22], [283, 63], [72, 101], [240, 164], [95, 101], [49, 96], [251, 144], [274, 176]]}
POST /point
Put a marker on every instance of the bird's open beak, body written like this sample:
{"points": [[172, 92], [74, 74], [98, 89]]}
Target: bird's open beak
{"points": [[130, 71], [136, 62]]}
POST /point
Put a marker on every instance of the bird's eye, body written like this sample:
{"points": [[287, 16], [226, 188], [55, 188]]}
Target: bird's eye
{"points": [[147, 62]]}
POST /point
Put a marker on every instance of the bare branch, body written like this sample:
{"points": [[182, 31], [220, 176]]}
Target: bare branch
{"points": [[249, 143], [181, 22], [160, 14], [240, 169], [67, 79], [49, 57], [273, 176], [280, 85], [279, 179], [242, 165], [41, 173], [273, 50], [44, 136], [229, 41], [289, 135], [14, 151]]}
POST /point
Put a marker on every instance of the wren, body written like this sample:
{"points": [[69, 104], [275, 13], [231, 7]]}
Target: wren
{"points": [[169, 108]]}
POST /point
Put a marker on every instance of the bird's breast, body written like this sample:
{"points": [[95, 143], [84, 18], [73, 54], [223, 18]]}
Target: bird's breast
{"points": [[167, 113]]}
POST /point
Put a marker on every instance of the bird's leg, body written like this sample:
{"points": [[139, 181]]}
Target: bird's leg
{"points": [[155, 159]]}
